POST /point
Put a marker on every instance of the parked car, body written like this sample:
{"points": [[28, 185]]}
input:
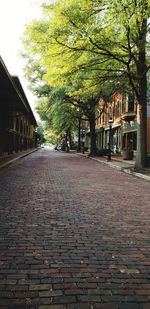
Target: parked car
{"points": [[63, 147]]}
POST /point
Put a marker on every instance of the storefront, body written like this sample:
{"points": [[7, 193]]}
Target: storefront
{"points": [[100, 138], [117, 138], [129, 135]]}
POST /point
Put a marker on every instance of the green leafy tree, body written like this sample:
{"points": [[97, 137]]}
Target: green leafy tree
{"points": [[78, 89], [104, 41], [59, 115], [52, 104], [40, 132]]}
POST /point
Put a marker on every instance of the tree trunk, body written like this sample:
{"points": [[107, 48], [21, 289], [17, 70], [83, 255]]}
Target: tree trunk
{"points": [[93, 135], [141, 157]]}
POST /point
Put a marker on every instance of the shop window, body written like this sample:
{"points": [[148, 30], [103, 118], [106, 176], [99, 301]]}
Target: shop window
{"points": [[131, 103], [10, 121], [119, 108], [21, 127], [14, 123], [17, 125], [124, 105]]}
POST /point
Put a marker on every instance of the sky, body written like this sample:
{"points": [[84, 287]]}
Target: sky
{"points": [[14, 15]]}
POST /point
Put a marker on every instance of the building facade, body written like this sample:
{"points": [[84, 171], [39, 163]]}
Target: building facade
{"points": [[122, 109], [17, 122]]}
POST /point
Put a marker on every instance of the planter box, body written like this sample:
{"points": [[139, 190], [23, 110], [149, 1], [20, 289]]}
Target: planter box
{"points": [[127, 154]]}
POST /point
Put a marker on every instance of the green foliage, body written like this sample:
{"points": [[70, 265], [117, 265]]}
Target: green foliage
{"points": [[51, 137], [40, 132], [88, 48], [53, 109], [64, 117]]}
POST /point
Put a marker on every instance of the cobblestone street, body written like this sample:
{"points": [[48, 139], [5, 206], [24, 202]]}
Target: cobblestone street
{"points": [[74, 234]]}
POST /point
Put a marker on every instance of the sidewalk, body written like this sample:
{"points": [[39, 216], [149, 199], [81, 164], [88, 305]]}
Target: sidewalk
{"points": [[8, 159], [126, 166]]}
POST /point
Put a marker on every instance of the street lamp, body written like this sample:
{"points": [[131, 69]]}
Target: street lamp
{"points": [[110, 121]]}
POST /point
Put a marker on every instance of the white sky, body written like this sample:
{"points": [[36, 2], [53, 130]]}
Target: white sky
{"points": [[14, 15]]}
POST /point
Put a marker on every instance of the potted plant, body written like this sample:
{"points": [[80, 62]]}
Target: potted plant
{"points": [[127, 154]]}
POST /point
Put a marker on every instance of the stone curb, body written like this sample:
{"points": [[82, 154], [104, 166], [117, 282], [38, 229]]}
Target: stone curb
{"points": [[126, 170], [140, 175]]}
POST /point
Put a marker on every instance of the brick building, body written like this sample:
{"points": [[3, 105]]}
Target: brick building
{"points": [[17, 122], [122, 109]]}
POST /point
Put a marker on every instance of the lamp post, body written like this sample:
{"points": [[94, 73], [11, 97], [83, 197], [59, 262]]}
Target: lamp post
{"points": [[110, 121]]}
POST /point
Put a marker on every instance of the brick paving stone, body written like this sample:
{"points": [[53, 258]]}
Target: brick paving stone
{"points": [[129, 306], [50, 293], [40, 287], [52, 307], [80, 306], [23, 307], [105, 306], [63, 299], [89, 298], [64, 286], [74, 234]]}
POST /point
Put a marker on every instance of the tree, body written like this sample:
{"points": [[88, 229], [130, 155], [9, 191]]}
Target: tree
{"points": [[106, 39], [64, 111], [40, 132], [59, 115], [79, 92], [52, 104]]}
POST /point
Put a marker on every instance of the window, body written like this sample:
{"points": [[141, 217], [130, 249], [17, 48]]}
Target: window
{"points": [[131, 103]]}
